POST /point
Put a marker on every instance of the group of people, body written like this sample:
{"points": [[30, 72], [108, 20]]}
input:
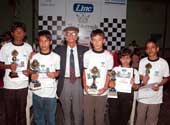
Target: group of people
{"points": [[79, 78]]}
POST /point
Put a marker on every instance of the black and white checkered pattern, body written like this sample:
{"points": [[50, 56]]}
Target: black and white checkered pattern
{"points": [[115, 32], [54, 24]]}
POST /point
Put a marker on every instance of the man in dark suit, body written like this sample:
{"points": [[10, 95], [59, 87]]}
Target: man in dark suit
{"points": [[69, 88]]}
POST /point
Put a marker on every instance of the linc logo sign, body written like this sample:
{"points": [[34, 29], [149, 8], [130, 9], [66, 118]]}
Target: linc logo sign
{"points": [[81, 7]]}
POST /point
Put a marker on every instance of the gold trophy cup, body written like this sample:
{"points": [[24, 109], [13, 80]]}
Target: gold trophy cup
{"points": [[112, 81], [13, 73], [95, 74], [35, 69], [148, 67]]}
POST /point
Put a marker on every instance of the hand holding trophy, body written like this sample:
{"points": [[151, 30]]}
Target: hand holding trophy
{"points": [[147, 72], [34, 67], [94, 74], [13, 73]]}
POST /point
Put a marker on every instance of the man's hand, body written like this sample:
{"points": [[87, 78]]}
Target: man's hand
{"points": [[145, 79], [13, 67], [52, 75], [155, 87], [86, 87], [102, 90], [26, 72]]}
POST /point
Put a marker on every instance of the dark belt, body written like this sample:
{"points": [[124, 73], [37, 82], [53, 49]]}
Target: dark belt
{"points": [[69, 77]]}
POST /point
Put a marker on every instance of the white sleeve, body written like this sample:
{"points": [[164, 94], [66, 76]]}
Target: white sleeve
{"points": [[85, 60], [166, 69], [136, 76], [2, 54], [110, 62], [141, 68], [57, 66]]}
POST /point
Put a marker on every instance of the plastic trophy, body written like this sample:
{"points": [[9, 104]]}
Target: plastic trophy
{"points": [[112, 80], [148, 67], [94, 74], [13, 73], [112, 91], [35, 69]]}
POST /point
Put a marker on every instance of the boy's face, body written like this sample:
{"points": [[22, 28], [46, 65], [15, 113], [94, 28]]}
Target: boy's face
{"points": [[135, 59], [125, 61], [71, 36], [97, 42], [44, 43], [18, 34], [152, 49]]}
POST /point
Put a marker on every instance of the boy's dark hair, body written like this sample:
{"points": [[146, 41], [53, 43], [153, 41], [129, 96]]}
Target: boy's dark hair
{"points": [[97, 32], [151, 41], [16, 25], [45, 33], [125, 52]]}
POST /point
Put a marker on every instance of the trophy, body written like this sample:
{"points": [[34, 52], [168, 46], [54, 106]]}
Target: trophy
{"points": [[94, 74], [148, 67], [35, 69], [112, 81], [112, 91], [13, 73]]}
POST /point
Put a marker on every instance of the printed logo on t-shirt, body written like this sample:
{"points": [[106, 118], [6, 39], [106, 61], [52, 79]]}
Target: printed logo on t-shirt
{"points": [[156, 73], [103, 64]]}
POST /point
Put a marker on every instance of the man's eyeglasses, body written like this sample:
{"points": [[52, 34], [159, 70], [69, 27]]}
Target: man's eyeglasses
{"points": [[70, 34]]}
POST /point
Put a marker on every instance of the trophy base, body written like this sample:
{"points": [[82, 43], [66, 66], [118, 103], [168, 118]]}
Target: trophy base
{"points": [[34, 85], [112, 93], [92, 91], [37, 85], [13, 75], [93, 86]]}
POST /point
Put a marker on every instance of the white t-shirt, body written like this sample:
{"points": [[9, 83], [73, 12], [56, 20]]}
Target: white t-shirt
{"points": [[47, 63], [24, 51], [103, 61], [159, 70], [135, 75]]}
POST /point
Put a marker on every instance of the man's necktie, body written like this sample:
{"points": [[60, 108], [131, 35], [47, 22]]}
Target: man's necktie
{"points": [[72, 67]]}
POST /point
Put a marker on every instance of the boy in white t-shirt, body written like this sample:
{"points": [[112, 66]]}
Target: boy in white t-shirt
{"points": [[102, 61], [154, 73], [14, 58], [44, 83]]}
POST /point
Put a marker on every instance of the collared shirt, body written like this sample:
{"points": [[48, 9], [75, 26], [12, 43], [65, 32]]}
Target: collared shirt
{"points": [[76, 61]]}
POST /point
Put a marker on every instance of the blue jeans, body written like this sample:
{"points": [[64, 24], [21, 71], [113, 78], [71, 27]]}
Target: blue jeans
{"points": [[44, 110]]}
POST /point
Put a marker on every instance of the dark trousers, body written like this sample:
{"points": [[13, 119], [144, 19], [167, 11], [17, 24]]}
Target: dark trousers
{"points": [[120, 109], [72, 100], [15, 106], [2, 108]]}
